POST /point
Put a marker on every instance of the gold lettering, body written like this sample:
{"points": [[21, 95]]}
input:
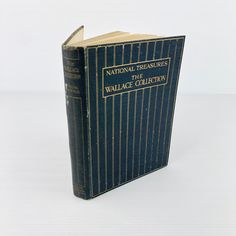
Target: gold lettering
{"points": [[150, 80], [119, 87], [139, 76], [152, 65], [122, 70]]}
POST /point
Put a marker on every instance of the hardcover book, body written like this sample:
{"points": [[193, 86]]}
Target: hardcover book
{"points": [[120, 98]]}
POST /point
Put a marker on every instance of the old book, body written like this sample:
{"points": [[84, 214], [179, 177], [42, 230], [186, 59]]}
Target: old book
{"points": [[120, 98]]}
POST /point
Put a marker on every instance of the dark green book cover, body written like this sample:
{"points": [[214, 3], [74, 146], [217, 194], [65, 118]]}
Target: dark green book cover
{"points": [[120, 105]]}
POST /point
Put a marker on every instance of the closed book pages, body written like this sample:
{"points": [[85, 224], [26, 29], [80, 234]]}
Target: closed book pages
{"points": [[120, 98]]}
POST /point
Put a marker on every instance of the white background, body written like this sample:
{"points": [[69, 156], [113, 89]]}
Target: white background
{"points": [[32, 32], [194, 195]]}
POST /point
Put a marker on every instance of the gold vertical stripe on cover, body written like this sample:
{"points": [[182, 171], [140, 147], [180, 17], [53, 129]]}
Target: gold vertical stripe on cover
{"points": [[105, 124], [161, 114], [155, 105], [120, 133], [113, 128], [134, 121], [148, 112], [171, 123], [113, 137], [134, 128], [89, 128], [141, 120], [127, 138], [141, 124], [97, 116], [127, 127], [168, 101]]}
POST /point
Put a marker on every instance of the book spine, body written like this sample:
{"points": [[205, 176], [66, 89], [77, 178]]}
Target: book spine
{"points": [[74, 77]]}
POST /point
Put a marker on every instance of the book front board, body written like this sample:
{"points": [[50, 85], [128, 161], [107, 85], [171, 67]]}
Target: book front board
{"points": [[131, 90]]}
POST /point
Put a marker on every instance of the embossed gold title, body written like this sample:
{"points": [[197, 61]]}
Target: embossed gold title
{"points": [[137, 78]]}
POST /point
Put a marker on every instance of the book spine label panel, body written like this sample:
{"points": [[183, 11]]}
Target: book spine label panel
{"points": [[137, 76]]}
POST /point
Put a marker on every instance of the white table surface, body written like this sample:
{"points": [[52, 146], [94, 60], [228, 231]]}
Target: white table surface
{"points": [[194, 195]]}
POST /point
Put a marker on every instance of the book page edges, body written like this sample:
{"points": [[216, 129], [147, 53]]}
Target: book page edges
{"points": [[76, 39], [76, 36]]}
